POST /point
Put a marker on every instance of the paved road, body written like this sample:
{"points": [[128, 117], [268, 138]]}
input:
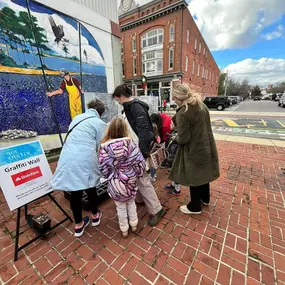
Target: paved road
{"points": [[257, 106], [251, 125]]}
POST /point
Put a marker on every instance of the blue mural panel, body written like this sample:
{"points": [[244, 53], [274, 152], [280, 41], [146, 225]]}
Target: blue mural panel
{"points": [[54, 38]]}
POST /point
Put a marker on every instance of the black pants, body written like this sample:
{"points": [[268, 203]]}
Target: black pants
{"points": [[197, 194], [76, 203]]}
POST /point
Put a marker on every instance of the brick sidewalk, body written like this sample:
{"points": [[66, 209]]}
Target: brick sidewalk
{"points": [[238, 239]]}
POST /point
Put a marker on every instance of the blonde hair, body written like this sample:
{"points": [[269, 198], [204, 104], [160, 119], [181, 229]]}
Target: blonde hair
{"points": [[183, 93], [117, 128], [155, 129]]}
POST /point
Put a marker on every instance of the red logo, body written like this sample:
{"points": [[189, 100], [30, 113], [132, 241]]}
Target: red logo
{"points": [[26, 176]]}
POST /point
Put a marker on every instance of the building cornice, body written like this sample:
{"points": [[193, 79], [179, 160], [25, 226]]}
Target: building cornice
{"points": [[152, 16]]}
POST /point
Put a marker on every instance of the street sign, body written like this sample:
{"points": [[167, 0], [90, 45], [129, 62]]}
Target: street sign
{"points": [[25, 174]]}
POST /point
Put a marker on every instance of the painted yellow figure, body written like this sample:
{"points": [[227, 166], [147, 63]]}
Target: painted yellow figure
{"points": [[74, 90]]}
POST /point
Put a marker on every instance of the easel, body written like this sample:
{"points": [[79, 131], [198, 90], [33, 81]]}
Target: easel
{"points": [[17, 248]]}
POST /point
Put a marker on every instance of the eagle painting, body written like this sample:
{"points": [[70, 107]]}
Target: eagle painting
{"points": [[57, 31]]}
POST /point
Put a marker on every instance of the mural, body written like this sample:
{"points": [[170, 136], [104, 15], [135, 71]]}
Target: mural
{"points": [[37, 42]]}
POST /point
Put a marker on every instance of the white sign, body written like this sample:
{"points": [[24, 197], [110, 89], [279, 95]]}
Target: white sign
{"points": [[25, 174]]}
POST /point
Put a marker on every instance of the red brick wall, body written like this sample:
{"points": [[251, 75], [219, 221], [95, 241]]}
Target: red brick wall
{"points": [[205, 86]]}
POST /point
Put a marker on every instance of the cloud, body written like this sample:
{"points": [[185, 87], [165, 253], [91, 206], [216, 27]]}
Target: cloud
{"points": [[275, 34], [262, 71], [229, 24]]}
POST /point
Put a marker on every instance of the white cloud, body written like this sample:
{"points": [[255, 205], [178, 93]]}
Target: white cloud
{"points": [[275, 34], [262, 71], [229, 24]]}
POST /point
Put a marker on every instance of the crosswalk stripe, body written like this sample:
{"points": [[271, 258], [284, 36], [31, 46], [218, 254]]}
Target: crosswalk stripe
{"points": [[231, 123]]}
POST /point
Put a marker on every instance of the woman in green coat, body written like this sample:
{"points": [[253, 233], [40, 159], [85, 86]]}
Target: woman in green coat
{"points": [[196, 162]]}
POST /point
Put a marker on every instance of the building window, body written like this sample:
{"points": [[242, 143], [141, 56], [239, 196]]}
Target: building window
{"points": [[204, 51], [142, 14], [200, 46], [206, 73], [206, 54], [122, 47], [152, 38], [152, 62], [193, 67], [135, 66], [134, 44], [171, 33], [158, 7], [171, 56], [198, 72], [210, 77], [203, 72], [195, 43], [187, 36], [123, 69], [186, 64]]}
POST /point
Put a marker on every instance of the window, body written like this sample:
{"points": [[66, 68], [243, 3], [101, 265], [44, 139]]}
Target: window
{"points": [[187, 36], [171, 55], [171, 33], [135, 66], [151, 38], [210, 77], [193, 67], [123, 69], [206, 54], [200, 46], [134, 44], [198, 72], [152, 62], [122, 47], [206, 73], [203, 72], [186, 64], [195, 43]]}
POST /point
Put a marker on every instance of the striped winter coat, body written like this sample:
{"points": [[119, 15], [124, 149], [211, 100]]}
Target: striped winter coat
{"points": [[121, 162]]}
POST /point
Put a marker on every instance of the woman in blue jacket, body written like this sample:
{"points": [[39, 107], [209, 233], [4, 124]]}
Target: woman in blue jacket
{"points": [[77, 168]]}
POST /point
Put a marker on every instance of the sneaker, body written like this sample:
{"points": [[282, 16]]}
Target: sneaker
{"points": [[169, 187], [97, 220], [185, 210], [204, 203], [152, 179], [134, 229], [80, 231], [174, 193], [125, 234], [154, 219]]}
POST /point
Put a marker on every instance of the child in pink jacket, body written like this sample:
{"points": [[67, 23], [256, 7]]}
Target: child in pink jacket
{"points": [[121, 162]]}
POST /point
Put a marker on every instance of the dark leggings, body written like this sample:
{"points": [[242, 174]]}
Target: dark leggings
{"points": [[76, 203], [198, 193]]}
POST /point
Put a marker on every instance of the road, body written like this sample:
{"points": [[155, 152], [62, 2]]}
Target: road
{"points": [[250, 123]]}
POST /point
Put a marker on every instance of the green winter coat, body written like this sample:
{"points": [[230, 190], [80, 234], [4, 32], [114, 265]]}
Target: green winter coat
{"points": [[196, 161]]}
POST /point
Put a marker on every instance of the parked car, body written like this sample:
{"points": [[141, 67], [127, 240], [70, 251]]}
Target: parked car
{"points": [[219, 102], [282, 101], [256, 98], [235, 99], [278, 96]]}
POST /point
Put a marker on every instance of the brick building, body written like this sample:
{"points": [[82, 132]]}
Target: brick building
{"points": [[161, 40]]}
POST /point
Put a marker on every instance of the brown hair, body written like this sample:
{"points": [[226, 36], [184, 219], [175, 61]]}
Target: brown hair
{"points": [[97, 105], [155, 129], [122, 90], [117, 128]]}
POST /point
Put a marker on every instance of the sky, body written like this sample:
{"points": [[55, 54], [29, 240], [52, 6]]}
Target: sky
{"points": [[246, 37]]}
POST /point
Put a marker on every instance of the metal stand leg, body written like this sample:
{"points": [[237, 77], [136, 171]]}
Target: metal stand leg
{"points": [[26, 212], [17, 234]]}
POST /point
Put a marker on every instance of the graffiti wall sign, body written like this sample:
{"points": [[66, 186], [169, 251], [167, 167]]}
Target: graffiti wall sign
{"points": [[37, 41]]}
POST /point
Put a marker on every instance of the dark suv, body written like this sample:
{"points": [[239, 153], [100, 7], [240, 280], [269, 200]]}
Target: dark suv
{"points": [[218, 102]]}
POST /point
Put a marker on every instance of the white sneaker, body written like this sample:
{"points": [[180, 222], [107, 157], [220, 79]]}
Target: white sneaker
{"points": [[152, 179], [125, 234], [185, 210], [134, 229]]}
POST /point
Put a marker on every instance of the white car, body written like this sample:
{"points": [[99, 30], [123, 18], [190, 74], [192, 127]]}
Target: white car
{"points": [[281, 102]]}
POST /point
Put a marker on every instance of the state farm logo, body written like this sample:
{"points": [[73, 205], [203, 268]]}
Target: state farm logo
{"points": [[26, 176]]}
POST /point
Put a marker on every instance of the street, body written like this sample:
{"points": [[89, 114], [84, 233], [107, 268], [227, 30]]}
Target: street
{"points": [[259, 119]]}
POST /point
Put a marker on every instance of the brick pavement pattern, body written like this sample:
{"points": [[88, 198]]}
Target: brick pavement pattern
{"points": [[238, 239]]}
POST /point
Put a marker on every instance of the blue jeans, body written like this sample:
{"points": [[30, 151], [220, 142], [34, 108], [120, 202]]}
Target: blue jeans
{"points": [[152, 172]]}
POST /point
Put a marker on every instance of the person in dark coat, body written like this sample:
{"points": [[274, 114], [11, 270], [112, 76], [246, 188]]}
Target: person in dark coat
{"points": [[196, 163]]}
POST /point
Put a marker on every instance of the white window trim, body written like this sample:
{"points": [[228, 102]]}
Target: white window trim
{"points": [[170, 38], [160, 32], [134, 46], [186, 64], [171, 68], [187, 36], [135, 65], [193, 67], [198, 72], [195, 43], [200, 47]]}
